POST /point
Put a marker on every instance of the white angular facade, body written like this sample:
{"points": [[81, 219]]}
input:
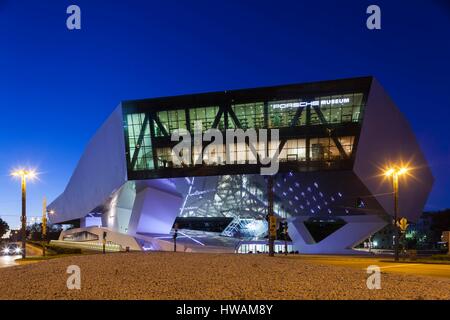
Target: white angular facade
{"points": [[336, 138]]}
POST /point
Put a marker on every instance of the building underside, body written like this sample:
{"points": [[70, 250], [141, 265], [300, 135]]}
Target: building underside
{"points": [[336, 137]]}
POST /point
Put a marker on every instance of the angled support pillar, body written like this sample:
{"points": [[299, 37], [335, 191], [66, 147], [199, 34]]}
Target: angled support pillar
{"points": [[342, 241], [155, 210]]}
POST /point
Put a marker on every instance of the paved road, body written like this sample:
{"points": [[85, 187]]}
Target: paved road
{"points": [[8, 261], [386, 265], [170, 275]]}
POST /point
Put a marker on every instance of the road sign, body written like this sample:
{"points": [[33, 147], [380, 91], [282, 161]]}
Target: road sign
{"points": [[273, 226], [403, 224]]}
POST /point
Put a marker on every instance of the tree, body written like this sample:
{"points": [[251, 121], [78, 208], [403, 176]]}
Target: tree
{"points": [[4, 227], [35, 231]]}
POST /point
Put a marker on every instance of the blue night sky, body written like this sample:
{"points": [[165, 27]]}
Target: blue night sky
{"points": [[57, 86]]}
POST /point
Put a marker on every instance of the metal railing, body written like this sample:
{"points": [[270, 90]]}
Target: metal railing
{"points": [[95, 246]]}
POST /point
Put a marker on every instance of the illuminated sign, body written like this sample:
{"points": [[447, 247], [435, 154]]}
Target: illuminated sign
{"points": [[315, 103]]}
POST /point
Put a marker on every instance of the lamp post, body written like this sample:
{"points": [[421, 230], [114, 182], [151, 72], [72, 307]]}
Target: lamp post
{"points": [[270, 216], [45, 211], [175, 235], [285, 232], [23, 175], [394, 173]]}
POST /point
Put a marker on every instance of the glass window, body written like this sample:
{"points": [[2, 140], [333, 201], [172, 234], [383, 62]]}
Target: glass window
{"points": [[315, 117], [347, 144], [357, 107], [281, 113], [171, 120], [250, 115], [294, 150], [164, 156], [339, 108], [139, 142], [214, 155], [206, 115], [323, 149], [326, 149]]}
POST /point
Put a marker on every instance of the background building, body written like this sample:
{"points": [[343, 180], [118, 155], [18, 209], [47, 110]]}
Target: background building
{"points": [[336, 138]]}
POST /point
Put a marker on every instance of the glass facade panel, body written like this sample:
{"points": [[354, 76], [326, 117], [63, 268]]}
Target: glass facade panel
{"points": [[241, 153], [326, 149], [339, 108], [164, 157], [343, 108], [139, 141], [281, 113], [250, 115], [213, 155], [294, 150], [347, 144], [206, 115], [263, 248], [171, 120], [335, 109], [321, 149]]}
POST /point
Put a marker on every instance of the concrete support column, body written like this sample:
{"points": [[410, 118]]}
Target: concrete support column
{"points": [[342, 241], [154, 210]]}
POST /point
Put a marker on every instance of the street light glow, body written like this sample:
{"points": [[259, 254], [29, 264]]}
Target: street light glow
{"points": [[389, 172], [25, 173], [395, 171]]}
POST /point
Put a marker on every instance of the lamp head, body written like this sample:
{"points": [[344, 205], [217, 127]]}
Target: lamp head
{"points": [[389, 172], [395, 171], [24, 173]]}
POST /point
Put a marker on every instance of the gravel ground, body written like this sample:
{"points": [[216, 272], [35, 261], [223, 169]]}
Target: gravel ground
{"points": [[165, 275]]}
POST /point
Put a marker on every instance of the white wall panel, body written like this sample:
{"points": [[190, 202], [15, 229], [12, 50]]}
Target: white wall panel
{"points": [[100, 171]]}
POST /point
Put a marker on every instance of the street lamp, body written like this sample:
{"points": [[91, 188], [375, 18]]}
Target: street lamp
{"points": [[394, 173], [23, 175], [44, 223], [270, 216]]}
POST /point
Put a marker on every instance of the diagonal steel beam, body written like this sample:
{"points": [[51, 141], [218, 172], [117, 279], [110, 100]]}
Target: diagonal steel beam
{"points": [[217, 118], [160, 125], [140, 139], [297, 116], [335, 139], [233, 116], [281, 146]]}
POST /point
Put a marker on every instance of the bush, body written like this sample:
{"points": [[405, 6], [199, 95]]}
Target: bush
{"points": [[36, 243], [441, 257], [62, 250]]}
